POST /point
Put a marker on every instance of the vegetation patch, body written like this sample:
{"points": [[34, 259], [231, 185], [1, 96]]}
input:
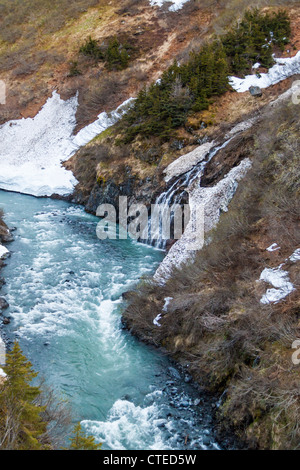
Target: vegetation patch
{"points": [[192, 86], [114, 53]]}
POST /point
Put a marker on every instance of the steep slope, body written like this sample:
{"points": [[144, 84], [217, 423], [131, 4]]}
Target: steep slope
{"points": [[232, 315]]}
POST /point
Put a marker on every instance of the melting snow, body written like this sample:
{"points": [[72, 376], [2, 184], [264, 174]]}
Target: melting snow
{"points": [[167, 301], [273, 247], [156, 320], [176, 4], [284, 68], [32, 150], [104, 121], [279, 279], [165, 309], [186, 162], [213, 200], [3, 251], [295, 256]]}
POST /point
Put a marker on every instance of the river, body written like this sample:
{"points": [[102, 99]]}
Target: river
{"points": [[64, 287]]}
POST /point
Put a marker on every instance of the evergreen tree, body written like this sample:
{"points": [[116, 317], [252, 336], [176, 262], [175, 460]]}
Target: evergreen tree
{"points": [[80, 441], [21, 425], [192, 86]]}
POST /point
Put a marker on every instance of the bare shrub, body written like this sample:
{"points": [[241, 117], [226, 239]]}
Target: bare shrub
{"points": [[98, 98]]}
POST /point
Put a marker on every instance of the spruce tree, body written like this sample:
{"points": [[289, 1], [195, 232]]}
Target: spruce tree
{"points": [[80, 441], [21, 425]]}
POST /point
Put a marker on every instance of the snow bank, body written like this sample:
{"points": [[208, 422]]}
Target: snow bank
{"points": [[214, 200], [284, 68], [279, 279], [104, 121], [176, 4], [184, 163], [32, 150]]}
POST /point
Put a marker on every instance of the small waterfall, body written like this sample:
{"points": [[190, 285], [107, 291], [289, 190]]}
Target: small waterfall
{"points": [[176, 194]]}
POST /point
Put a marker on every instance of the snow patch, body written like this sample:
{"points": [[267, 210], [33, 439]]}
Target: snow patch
{"points": [[184, 163], [3, 251], [2, 373], [156, 320], [215, 200], [165, 309], [284, 68], [176, 4], [295, 256], [104, 121], [279, 279], [32, 150], [273, 247], [167, 301], [241, 127]]}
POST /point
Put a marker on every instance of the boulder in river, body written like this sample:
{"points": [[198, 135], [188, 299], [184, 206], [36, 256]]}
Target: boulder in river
{"points": [[3, 304]]}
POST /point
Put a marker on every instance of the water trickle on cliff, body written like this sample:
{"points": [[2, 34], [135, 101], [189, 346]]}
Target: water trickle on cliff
{"points": [[177, 192]]}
